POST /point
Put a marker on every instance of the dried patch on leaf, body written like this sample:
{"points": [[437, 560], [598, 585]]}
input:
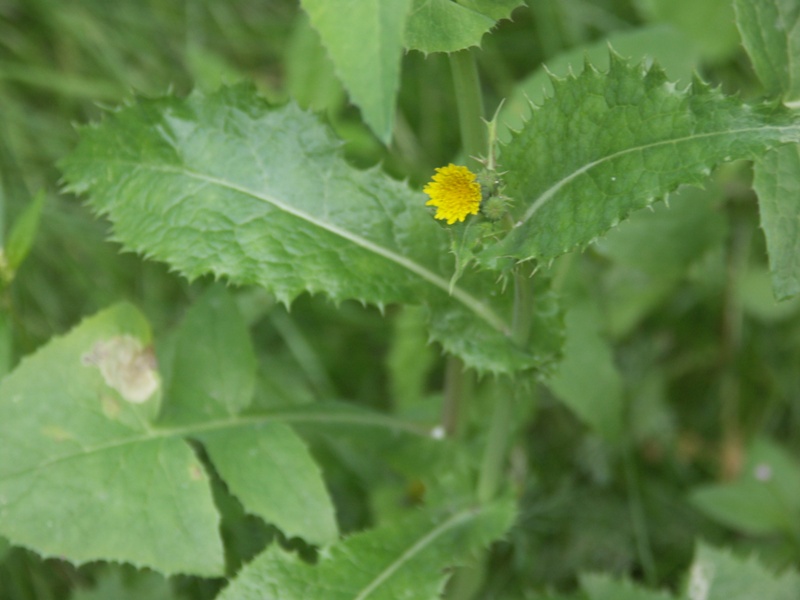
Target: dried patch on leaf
{"points": [[126, 366]]}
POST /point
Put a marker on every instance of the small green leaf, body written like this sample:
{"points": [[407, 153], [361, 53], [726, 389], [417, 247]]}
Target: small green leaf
{"points": [[771, 35], [408, 558], [764, 500], [223, 184], [605, 587], [364, 39], [269, 469], [447, 26], [20, 240], [83, 475], [718, 575], [213, 368], [607, 144], [586, 379], [776, 179]]}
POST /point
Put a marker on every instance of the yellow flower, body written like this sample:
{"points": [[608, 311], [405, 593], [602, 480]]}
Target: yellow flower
{"points": [[454, 192]]}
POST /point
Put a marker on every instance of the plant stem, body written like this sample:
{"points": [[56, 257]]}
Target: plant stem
{"points": [[453, 395], [469, 101], [641, 535], [500, 428], [495, 453], [732, 442], [473, 136]]}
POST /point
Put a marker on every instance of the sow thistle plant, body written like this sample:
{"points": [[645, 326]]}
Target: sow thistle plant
{"points": [[226, 184]]}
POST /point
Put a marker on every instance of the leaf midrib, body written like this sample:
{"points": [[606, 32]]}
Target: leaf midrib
{"points": [[550, 193], [187, 431], [469, 301], [415, 549]]}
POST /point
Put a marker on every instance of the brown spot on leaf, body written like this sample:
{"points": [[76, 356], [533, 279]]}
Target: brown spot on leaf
{"points": [[126, 366]]}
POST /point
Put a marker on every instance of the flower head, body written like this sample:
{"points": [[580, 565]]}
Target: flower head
{"points": [[454, 192]]}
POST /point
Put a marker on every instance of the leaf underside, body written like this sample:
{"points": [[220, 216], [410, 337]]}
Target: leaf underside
{"points": [[606, 144]]}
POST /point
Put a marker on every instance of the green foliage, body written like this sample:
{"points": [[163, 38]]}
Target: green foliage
{"points": [[555, 399], [79, 411], [22, 235], [717, 575], [257, 178], [445, 26], [134, 471], [770, 35], [776, 183], [364, 39], [406, 559], [764, 499], [587, 159]]}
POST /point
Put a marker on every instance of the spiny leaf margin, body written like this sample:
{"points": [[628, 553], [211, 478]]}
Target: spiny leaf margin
{"points": [[606, 144], [407, 558], [225, 184]]}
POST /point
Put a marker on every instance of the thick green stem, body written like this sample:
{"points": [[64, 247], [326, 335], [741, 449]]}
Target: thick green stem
{"points": [[469, 101]]}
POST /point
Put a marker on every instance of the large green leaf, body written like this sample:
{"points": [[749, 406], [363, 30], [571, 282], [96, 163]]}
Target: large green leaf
{"points": [[771, 35], [364, 39], [663, 44], [84, 475], [223, 184], [407, 559], [447, 26], [87, 475], [607, 144], [718, 575]]}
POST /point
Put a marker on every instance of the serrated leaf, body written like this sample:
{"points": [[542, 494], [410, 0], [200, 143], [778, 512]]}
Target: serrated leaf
{"points": [[765, 499], [447, 26], [776, 179], [607, 144], [73, 484], [663, 44], [718, 575], [224, 184], [364, 39], [404, 560], [604, 587], [771, 35]]}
